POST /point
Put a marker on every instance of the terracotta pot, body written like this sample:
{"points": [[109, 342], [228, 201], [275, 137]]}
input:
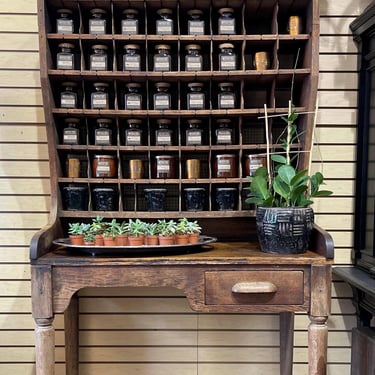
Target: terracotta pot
{"points": [[99, 240], [89, 243], [135, 241], [109, 241], [166, 240], [76, 239], [151, 240], [122, 240], [181, 239], [194, 237]]}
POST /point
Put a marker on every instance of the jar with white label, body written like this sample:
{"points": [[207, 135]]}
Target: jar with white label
{"points": [[103, 132], [99, 57], [163, 134], [68, 97], [64, 22], [131, 58], [129, 22], [164, 25], [227, 57], [99, 97], [196, 97], [194, 132], [225, 166], [195, 22], [104, 166], [133, 97], [226, 22], [133, 133], [162, 58], [224, 132], [162, 97], [226, 98], [164, 166], [65, 56], [98, 22], [193, 58], [71, 131]]}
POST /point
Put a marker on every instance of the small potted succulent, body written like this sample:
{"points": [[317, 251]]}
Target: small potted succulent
{"points": [[122, 234], [89, 238], [76, 232], [151, 234], [194, 230], [167, 230], [136, 232], [110, 233], [182, 231], [97, 228]]}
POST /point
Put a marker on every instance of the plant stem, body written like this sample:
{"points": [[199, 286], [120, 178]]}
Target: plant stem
{"points": [[268, 143], [289, 131]]}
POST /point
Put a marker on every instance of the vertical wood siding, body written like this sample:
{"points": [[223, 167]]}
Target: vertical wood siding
{"points": [[153, 331]]}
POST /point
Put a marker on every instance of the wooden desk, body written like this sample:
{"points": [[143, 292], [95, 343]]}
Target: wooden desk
{"points": [[229, 277]]}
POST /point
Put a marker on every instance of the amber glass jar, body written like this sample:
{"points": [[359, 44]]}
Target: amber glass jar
{"points": [[225, 166], [164, 166], [104, 166]]}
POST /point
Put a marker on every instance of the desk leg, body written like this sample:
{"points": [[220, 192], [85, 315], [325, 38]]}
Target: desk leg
{"points": [[286, 342], [318, 336], [71, 337], [45, 347]]}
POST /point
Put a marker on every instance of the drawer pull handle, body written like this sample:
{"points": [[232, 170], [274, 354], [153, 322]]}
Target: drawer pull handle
{"points": [[254, 287]]}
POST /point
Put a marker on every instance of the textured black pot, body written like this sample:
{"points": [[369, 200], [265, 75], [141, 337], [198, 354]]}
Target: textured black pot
{"points": [[75, 198], [105, 199], [226, 198], [284, 230], [155, 199], [195, 199]]}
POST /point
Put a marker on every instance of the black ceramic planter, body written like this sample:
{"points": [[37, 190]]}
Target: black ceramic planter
{"points": [[75, 198], [195, 199], [226, 198], [284, 230], [105, 199], [155, 199]]}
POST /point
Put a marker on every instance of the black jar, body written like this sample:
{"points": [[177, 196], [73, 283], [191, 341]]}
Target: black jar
{"points": [[226, 198], [75, 198], [195, 199], [105, 199], [155, 199]]}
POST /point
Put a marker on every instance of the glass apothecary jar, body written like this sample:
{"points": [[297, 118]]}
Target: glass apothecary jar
{"points": [[194, 132], [193, 58], [104, 166], [226, 22], [129, 22], [227, 57], [164, 166], [162, 97], [226, 98], [133, 96], [195, 98], [133, 132], [224, 132], [162, 58], [225, 166], [99, 57], [98, 22], [99, 97], [103, 132], [131, 58], [195, 22], [71, 134], [64, 21], [68, 97], [65, 56], [163, 134], [164, 25]]}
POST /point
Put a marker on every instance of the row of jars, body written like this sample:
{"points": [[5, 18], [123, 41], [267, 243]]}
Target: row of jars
{"points": [[165, 166], [164, 134], [132, 99], [161, 22]]}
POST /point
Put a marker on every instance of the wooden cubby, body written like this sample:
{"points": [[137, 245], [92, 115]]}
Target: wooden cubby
{"points": [[260, 26]]}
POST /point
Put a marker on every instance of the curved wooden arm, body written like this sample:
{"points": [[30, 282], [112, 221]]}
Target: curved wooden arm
{"points": [[322, 242]]}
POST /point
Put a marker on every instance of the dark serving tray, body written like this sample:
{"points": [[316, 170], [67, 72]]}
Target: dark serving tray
{"points": [[138, 250]]}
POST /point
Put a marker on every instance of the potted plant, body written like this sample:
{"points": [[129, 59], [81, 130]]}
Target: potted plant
{"points": [[194, 230], [283, 196], [182, 231], [136, 232], [122, 234], [167, 230], [76, 232], [97, 228], [89, 238], [110, 233], [151, 234]]}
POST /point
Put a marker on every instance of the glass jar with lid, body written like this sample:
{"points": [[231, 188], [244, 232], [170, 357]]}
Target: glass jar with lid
{"points": [[193, 58], [163, 134], [133, 97], [164, 25], [99, 57], [226, 22], [133, 133], [224, 132], [98, 22], [129, 22], [71, 131], [194, 132], [68, 97], [227, 57], [99, 97], [103, 132], [164, 166], [64, 22], [131, 58], [195, 22], [162, 97], [162, 58], [226, 98], [196, 97], [65, 56]]}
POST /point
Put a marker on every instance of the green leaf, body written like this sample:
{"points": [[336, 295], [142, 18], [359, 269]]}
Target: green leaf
{"points": [[299, 178], [322, 193], [286, 173], [279, 159], [281, 188], [259, 187]]}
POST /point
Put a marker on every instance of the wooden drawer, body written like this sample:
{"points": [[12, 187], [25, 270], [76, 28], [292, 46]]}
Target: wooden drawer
{"points": [[254, 287]]}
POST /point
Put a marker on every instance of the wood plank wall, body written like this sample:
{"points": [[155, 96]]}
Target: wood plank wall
{"points": [[146, 331]]}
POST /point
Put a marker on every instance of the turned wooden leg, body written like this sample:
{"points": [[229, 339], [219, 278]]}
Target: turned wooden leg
{"points": [[318, 336], [45, 347], [286, 342], [71, 337]]}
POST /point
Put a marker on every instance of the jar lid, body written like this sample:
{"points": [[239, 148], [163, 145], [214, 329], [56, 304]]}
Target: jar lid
{"points": [[225, 84], [131, 46], [100, 84], [162, 46], [194, 121], [99, 46], [62, 11], [130, 11], [223, 121], [193, 46], [98, 11], [226, 189], [230, 156], [72, 120], [165, 121], [162, 190], [69, 84], [134, 121], [193, 12], [164, 11], [226, 45], [66, 45], [195, 84], [194, 189], [225, 10], [105, 189], [133, 85], [104, 157], [161, 157], [104, 121], [162, 84]]}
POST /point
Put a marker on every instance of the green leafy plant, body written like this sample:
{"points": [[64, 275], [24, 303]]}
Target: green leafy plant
{"points": [[97, 226], [89, 236], [166, 228], [151, 229], [136, 228], [78, 228], [282, 185], [111, 229]]}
